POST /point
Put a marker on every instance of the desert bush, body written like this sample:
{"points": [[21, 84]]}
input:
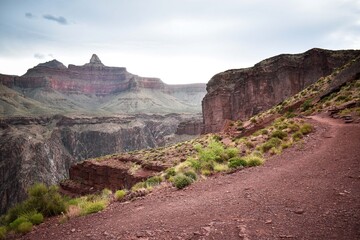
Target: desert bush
{"points": [[36, 218], [191, 174], [181, 181], [278, 134], [106, 193], [170, 172], [272, 142], [153, 181], [253, 161], [120, 194], [232, 152], [297, 136], [45, 200], [3, 232], [14, 225], [285, 145], [24, 227], [221, 167], [293, 127], [138, 186], [264, 131], [249, 144], [236, 162], [306, 128], [306, 105], [92, 207], [195, 164]]}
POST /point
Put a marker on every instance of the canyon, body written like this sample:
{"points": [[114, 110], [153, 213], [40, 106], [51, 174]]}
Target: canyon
{"points": [[55, 116]]}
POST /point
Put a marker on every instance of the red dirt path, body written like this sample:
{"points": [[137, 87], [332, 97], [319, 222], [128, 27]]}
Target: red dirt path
{"points": [[311, 191]]}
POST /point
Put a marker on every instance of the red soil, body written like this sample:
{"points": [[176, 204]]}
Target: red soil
{"points": [[311, 191]]}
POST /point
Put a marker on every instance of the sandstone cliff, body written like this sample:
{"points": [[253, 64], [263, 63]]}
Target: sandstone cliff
{"points": [[242, 93]]}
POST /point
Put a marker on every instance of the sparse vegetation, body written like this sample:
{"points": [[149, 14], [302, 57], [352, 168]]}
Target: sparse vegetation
{"points": [[236, 162], [120, 194], [3, 232], [24, 227], [181, 181]]}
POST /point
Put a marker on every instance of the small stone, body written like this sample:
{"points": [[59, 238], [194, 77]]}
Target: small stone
{"points": [[268, 221], [73, 230], [299, 211]]}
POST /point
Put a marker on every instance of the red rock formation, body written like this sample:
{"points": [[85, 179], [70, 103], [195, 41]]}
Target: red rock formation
{"points": [[241, 93], [91, 78]]}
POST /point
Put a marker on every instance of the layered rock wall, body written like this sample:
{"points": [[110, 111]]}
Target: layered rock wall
{"points": [[242, 93]]}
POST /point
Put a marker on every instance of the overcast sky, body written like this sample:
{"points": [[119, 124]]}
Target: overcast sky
{"points": [[179, 41]]}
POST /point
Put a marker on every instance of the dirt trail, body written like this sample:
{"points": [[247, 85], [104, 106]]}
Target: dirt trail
{"points": [[311, 191]]}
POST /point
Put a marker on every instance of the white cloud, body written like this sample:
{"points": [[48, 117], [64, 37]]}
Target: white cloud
{"points": [[177, 40]]}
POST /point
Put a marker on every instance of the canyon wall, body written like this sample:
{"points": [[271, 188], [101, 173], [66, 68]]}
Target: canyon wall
{"points": [[42, 149], [241, 93]]}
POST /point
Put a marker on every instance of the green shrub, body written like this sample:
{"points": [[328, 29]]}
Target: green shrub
{"points": [[217, 137], [306, 105], [14, 225], [153, 181], [3, 231], [170, 172], [221, 167], [289, 114], [278, 134], [236, 162], [253, 161], [138, 186], [24, 227], [232, 152], [36, 218], [195, 164], [272, 142], [92, 207], [106, 193], [293, 127], [249, 144], [285, 145], [206, 172], [306, 128], [264, 131], [45, 200], [297, 136], [120, 194], [191, 174], [181, 181]]}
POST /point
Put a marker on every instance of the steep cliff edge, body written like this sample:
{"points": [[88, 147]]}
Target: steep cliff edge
{"points": [[242, 93]]}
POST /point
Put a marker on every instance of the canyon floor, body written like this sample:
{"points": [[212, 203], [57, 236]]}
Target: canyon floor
{"points": [[311, 191]]}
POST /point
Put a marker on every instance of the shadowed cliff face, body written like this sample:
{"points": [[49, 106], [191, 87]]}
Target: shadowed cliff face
{"points": [[42, 149], [242, 93]]}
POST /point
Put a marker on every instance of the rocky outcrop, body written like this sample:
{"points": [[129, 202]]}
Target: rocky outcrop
{"points": [[242, 93], [191, 127]]}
